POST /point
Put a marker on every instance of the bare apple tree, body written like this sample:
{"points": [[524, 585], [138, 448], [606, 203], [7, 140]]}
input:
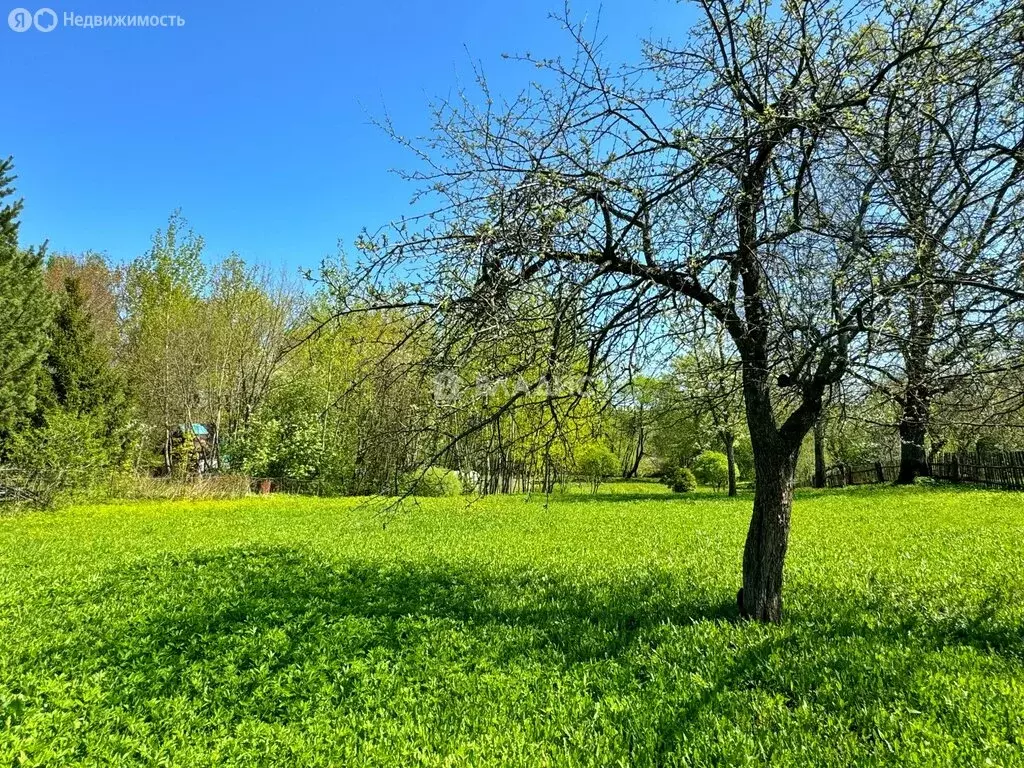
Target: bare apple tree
{"points": [[943, 168], [575, 223]]}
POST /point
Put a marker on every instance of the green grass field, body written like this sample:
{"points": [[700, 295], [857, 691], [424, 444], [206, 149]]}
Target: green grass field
{"points": [[596, 631]]}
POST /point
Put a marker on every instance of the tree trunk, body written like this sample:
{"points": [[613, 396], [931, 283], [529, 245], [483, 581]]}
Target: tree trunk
{"points": [[168, 461], [768, 536], [819, 453], [775, 450], [775, 457], [638, 456], [913, 430], [730, 454], [923, 311]]}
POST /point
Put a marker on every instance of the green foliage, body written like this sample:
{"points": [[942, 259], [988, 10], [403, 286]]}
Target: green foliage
{"points": [[682, 480], [586, 631], [712, 468], [24, 315], [432, 482], [68, 456], [676, 434], [164, 332], [743, 454], [80, 435], [864, 439], [290, 445], [337, 413], [82, 378], [648, 467], [595, 461]]}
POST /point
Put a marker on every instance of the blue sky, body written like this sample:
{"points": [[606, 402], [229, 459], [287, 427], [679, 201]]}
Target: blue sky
{"points": [[255, 118]]}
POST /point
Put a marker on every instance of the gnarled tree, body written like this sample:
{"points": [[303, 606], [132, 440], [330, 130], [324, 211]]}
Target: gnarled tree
{"points": [[944, 173], [604, 204]]}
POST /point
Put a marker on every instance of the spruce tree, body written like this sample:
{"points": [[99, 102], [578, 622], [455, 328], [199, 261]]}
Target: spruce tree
{"points": [[24, 315], [81, 431], [82, 379]]}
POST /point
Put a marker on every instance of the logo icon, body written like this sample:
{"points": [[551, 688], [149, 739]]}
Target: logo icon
{"points": [[45, 20], [20, 19]]}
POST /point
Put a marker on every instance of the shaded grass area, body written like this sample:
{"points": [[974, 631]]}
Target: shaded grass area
{"points": [[588, 631]]}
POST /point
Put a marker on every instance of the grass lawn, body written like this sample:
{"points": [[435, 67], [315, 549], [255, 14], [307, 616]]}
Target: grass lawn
{"points": [[594, 631]]}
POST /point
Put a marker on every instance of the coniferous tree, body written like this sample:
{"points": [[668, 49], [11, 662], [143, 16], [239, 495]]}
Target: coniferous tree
{"points": [[24, 314], [82, 379], [81, 431]]}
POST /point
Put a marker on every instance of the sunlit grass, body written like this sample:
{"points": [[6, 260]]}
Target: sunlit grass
{"points": [[585, 631]]}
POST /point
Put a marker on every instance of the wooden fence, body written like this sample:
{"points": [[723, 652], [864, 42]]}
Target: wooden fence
{"points": [[843, 475], [1003, 470], [998, 470]]}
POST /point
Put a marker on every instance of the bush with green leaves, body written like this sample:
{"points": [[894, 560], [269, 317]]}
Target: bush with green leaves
{"points": [[667, 476], [648, 468], [597, 462], [712, 468], [69, 457], [682, 480], [431, 482], [743, 454]]}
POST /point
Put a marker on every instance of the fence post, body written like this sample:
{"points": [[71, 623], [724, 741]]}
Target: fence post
{"points": [[954, 468], [879, 472]]}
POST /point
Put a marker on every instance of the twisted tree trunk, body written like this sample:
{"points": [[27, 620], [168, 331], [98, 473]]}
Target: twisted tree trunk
{"points": [[913, 431], [776, 450], [768, 536]]}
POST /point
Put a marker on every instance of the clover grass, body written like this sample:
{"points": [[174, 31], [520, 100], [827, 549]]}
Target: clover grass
{"points": [[588, 631]]}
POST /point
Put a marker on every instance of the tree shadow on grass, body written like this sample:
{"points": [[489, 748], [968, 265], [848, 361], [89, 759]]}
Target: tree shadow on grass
{"points": [[613, 498], [210, 594], [654, 496], [175, 626], [262, 632], [220, 592]]}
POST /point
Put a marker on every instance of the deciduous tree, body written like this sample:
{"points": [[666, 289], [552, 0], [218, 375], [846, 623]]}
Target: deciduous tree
{"points": [[704, 179]]}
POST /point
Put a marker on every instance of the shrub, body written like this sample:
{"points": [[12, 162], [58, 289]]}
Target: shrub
{"points": [[667, 473], [712, 468], [596, 462], [743, 454], [431, 482], [648, 467], [69, 458], [683, 481]]}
